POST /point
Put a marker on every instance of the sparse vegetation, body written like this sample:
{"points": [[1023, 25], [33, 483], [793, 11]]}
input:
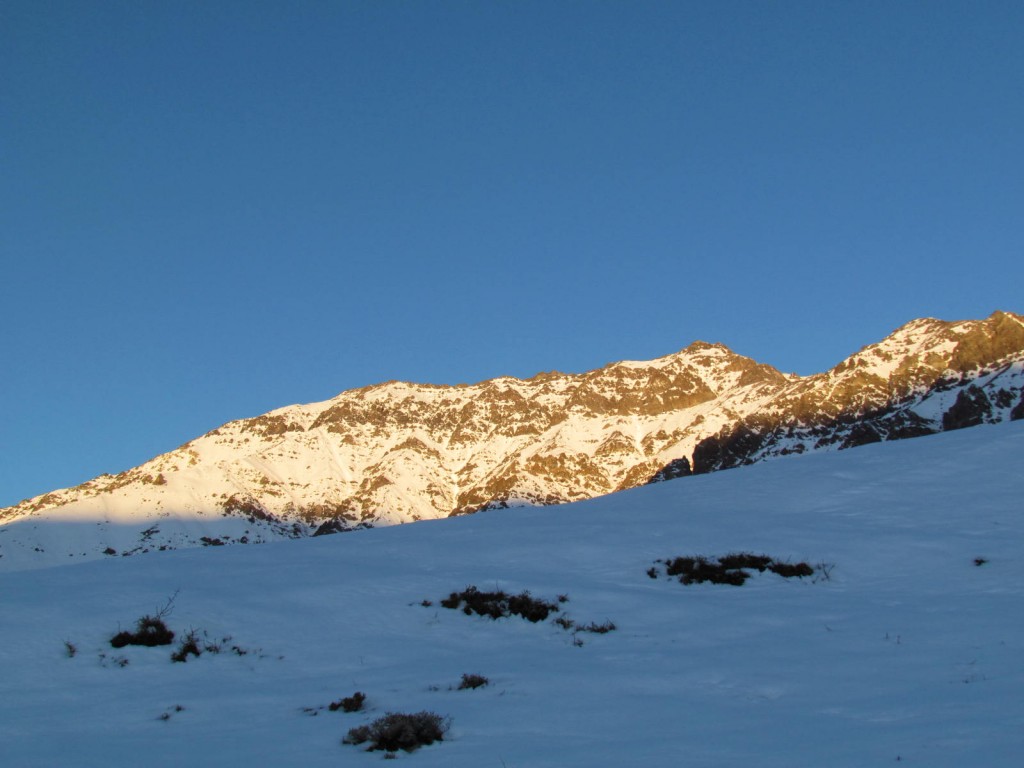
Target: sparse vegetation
{"points": [[593, 627], [733, 568], [597, 629], [823, 571], [697, 570], [498, 604], [119, 661], [790, 570], [196, 643], [352, 703], [189, 647], [471, 682], [150, 631], [746, 560], [395, 731]]}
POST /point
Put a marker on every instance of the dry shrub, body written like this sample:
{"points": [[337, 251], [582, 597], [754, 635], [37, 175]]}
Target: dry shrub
{"points": [[395, 731], [499, 604], [149, 631], [470, 682], [352, 703]]}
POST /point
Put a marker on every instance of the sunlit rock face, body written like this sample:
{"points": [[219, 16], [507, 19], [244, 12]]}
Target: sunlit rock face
{"points": [[400, 452]]}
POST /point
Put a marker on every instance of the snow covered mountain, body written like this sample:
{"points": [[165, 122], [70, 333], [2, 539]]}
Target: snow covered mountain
{"points": [[400, 452], [908, 652]]}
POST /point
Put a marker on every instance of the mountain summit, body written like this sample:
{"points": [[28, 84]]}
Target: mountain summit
{"points": [[399, 452]]}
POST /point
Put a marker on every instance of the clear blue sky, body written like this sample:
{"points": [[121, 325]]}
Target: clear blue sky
{"points": [[212, 209]]}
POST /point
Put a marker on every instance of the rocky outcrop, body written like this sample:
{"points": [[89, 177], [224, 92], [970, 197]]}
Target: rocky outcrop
{"points": [[399, 452], [927, 377], [971, 408]]}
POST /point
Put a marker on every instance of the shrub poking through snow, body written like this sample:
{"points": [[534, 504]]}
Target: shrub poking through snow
{"points": [[733, 568], [597, 629], [697, 570], [149, 631], [593, 627], [789, 570], [352, 703], [471, 682], [498, 604], [395, 731], [189, 647], [746, 560]]}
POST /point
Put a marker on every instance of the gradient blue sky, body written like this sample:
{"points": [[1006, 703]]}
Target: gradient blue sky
{"points": [[212, 209]]}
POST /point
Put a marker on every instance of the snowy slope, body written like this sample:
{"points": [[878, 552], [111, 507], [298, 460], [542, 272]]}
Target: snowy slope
{"points": [[400, 452], [909, 653]]}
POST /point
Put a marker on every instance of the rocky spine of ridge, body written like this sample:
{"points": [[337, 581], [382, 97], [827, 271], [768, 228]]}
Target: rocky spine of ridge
{"points": [[927, 377], [399, 452]]}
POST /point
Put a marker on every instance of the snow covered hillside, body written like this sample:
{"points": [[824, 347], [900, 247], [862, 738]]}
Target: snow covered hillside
{"points": [[400, 452], [908, 651]]}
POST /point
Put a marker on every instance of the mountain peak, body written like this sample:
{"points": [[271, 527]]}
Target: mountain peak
{"points": [[701, 346], [398, 452]]}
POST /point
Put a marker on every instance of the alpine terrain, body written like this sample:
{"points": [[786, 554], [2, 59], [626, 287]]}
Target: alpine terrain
{"points": [[400, 452], [900, 645]]}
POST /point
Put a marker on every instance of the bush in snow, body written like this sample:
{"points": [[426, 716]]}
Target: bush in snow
{"points": [[149, 631], [731, 569], [395, 731], [352, 703], [789, 570], [699, 569], [597, 629], [499, 604], [189, 647], [470, 682]]}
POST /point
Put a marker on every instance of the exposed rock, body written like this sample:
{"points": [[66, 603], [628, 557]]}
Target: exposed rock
{"points": [[673, 470], [398, 452], [1018, 411], [972, 407], [334, 525]]}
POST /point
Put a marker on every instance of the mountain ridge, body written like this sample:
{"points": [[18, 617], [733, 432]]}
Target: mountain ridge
{"points": [[398, 452]]}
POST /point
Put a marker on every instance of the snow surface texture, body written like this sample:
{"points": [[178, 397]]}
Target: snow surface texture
{"points": [[909, 653], [401, 452]]}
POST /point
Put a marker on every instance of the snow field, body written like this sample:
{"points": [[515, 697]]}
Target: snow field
{"points": [[909, 652]]}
